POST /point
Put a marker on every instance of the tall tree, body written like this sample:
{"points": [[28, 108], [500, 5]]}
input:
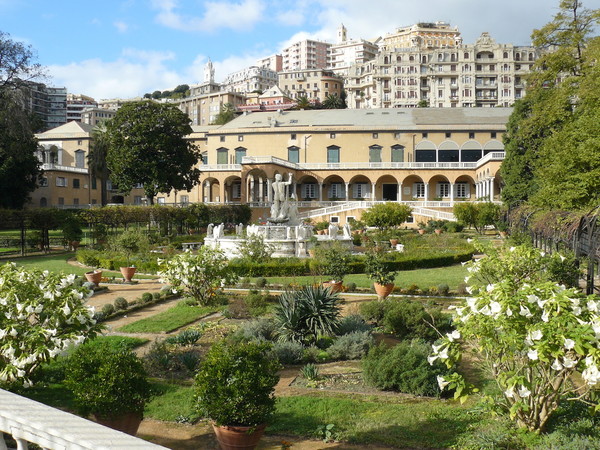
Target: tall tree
{"points": [[551, 98], [148, 145], [332, 101], [17, 64], [97, 158]]}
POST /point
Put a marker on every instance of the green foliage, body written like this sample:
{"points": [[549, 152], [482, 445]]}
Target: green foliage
{"points": [[259, 329], [352, 323], [307, 314], [108, 309], [186, 337], [254, 248], [403, 368], [120, 303], [131, 242], [310, 372], [261, 282], [235, 384], [377, 266], [107, 382], [146, 297], [201, 275], [374, 311], [148, 145], [226, 114], [477, 215], [333, 260], [72, 228], [288, 353], [409, 319], [386, 215], [352, 345]]}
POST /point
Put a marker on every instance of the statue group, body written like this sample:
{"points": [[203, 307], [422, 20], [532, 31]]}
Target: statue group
{"points": [[282, 209]]}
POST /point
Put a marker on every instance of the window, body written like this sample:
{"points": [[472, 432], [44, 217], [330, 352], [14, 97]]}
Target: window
{"points": [[137, 200], [374, 154], [80, 159], [75, 201], [424, 135], [240, 138], [331, 135], [185, 199], [76, 183], [222, 138], [360, 190], [61, 181], [222, 155], [79, 142], [294, 154], [333, 154], [204, 157], [471, 135], [160, 200], [397, 135], [240, 152], [443, 189], [462, 190], [493, 135], [236, 190], [448, 135], [375, 135], [138, 186], [336, 190], [397, 153], [61, 201], [293, 136], [334, 219], [309, 190], [94, 183], [419, 190], [44, 182]]}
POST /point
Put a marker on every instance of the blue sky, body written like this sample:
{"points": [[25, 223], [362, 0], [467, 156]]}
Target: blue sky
{"points": [[124, 48]]}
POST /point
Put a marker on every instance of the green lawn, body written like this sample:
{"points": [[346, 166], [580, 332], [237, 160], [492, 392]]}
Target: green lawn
{"points": [[424, 278], [169, 320]]}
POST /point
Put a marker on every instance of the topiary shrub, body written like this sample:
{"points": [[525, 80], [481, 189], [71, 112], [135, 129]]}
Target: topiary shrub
{"points": [[403, 368], [288, 352], [409, 319], [443, 289], [146, 297], [350, 287], [351, 324], [354, 345], [108, 309], [156, 296], [120, 303], [261, 282]]}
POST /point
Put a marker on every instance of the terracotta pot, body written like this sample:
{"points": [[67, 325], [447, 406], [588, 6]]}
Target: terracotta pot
{"points": [[335, 286], [311, 253], [127, 272], [394, 242], [94, 276], [321, 232], [438, 231], [238, 438], [503, 234], [421, 231], [74, 244], [127, 423], [383, 290]]}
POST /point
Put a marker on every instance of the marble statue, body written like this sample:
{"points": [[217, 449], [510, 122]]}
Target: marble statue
{"points": [[280, 207]]}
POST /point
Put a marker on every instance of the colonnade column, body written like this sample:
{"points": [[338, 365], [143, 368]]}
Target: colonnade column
{"points": [[491, 189], [207, 191], [269, 190], [426, 192], [320, 191], [347, 191], [399, 194], [451, 194], [261, 194], [373, 192]]}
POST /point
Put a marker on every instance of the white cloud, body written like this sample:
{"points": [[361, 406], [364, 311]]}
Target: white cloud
{"points": [[195, 72], [241, 15], [290, 18], [122, 27]]}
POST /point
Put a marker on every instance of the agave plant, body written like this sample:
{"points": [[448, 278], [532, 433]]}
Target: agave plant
{"points": [[306, 314]]}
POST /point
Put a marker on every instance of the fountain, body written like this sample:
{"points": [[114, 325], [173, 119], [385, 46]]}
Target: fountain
{"points": [[283, 231]]}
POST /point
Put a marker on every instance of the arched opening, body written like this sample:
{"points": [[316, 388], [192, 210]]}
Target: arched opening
{"points": [[471, 151], [425, 152], [43, 202], [448, 152]]}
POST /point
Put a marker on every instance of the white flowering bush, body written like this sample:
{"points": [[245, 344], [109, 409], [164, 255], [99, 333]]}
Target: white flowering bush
{"points": [[201, 275], [41, 314], [530, 334]]}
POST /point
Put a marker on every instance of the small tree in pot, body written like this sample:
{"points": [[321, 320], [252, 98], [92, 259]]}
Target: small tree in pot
{"points": [[235, 389], [377, 269], [110, 383], [334, 261]]}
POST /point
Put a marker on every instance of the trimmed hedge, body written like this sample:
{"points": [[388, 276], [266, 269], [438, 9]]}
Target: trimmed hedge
{"points": [[146, 263], [282, 267]]}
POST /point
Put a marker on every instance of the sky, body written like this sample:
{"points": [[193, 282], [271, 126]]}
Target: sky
{"points": [[126, 48]]}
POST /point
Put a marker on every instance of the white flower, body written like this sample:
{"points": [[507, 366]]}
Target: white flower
{"points": [[532, 354], [469, 240], [495, 307], [525, 311], [66, 310], [568, 362], [2, 333], [577, 310], [591, 375], [592, 306], [532, 298], [444, 354], [436, 348], [512, 249], [453, 336], [545, 316], [562, 258], [469, 289], [442, 382], [537, 335], [467, 279], [542, 254], [569, 344], [509, 312], [510, 393], [486, 311], [524, 392], [431, 359], [13, 332], [556, 365], [489, 287]]}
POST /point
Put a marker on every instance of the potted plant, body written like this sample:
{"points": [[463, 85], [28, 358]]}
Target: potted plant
{"points": [[235, 389], [72, 231], [110, 383], [313, 244], [421, 228], [502, 228], [130, 242], [320, 227], [94, 276], [377, 269], [334, 259]]}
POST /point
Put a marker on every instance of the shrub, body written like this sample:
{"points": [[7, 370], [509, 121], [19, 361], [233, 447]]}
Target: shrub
{"points": [[443, 289], [307, 314], [260, 329], [403, 368], [235, 384], [255, 248], [107, 381], [351, 287], [108, 309], [373, 311], [187, 337], [333, 260], [256, 302], [310, 372], [261, 282], [288, 352], [453, 227], [409, 319], [156, 296], [351, 324], [120, 303], [354, 345], [146, 297], [461, 289], [312, 353]]}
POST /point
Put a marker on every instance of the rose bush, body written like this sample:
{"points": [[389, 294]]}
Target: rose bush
{"points": [[530, 334], [41, 315]]}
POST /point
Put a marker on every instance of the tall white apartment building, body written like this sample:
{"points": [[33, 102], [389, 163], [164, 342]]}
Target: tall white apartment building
{"points": [[307, 54], [273, 62], [346, 52], [253, 78], [484, 74], [76, 103]]}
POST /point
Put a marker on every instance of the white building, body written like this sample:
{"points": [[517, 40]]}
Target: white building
{"points": [[307, 54], [253, 78], [346, 52]]}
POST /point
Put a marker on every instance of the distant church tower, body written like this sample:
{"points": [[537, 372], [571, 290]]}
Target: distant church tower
{"points": [[342, 34], [209, 72]]}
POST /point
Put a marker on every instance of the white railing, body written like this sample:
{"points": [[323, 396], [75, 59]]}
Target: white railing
{"points": [[220, 167], [270, 160], [50, 166], [348, 206], [492, 156], [30, 422]]}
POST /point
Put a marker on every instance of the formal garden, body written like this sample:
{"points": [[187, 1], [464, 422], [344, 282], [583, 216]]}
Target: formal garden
{"points": [[492, 351]]}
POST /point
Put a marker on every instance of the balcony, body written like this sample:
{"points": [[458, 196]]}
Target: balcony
{"points": [[50, 166]]}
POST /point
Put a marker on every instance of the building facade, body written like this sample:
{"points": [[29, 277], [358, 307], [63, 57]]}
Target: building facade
{"points": [[76, 103], [423, 35], [347, 52], [306, 54], [314, 84], [204, 108], [484, 74], [250, 79], [95, 116]]}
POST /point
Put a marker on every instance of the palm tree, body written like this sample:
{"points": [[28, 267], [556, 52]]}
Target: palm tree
{"points": [[333, 102], [303, 102], [97, 158]]}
